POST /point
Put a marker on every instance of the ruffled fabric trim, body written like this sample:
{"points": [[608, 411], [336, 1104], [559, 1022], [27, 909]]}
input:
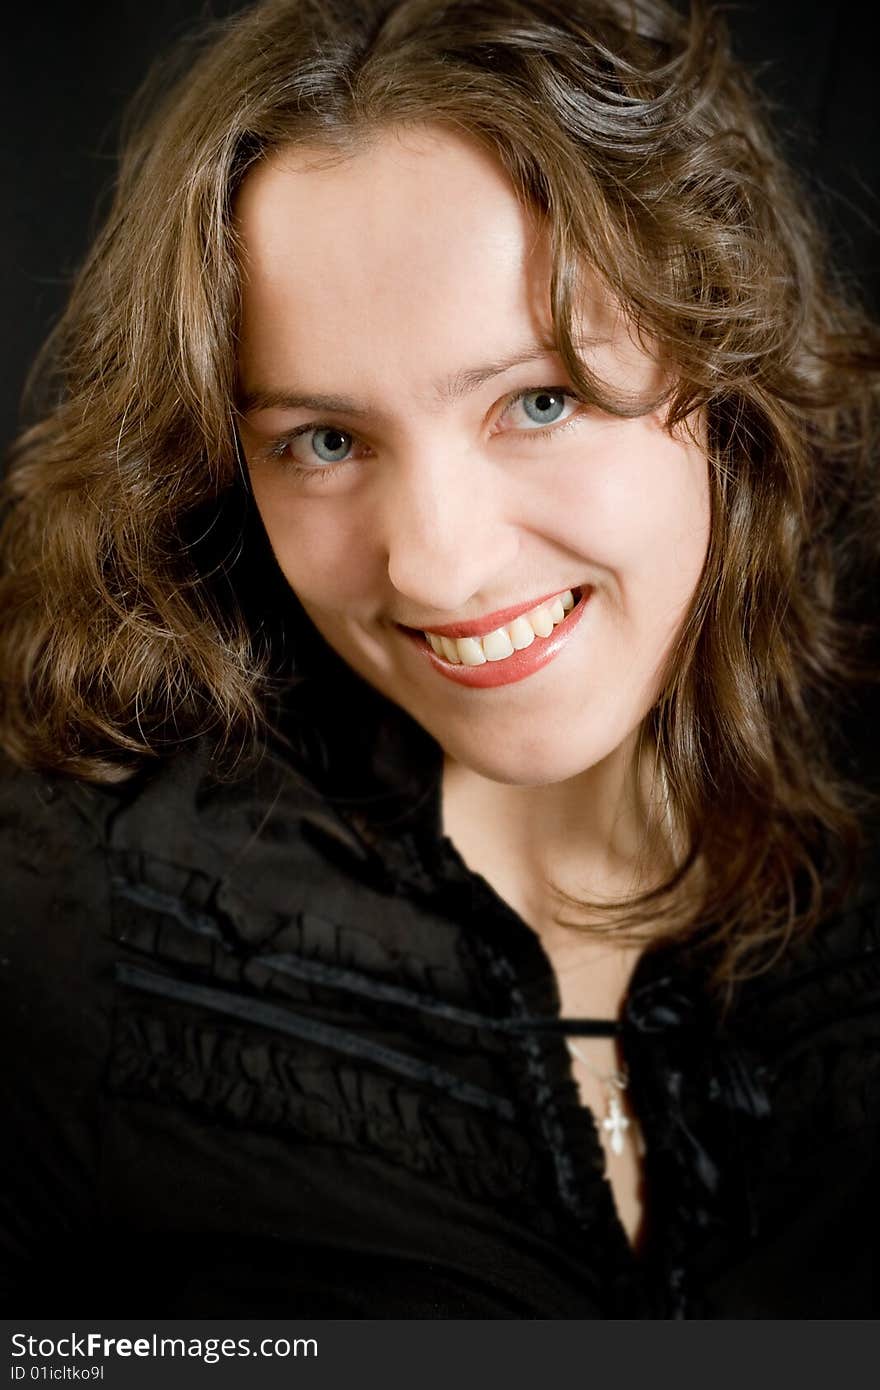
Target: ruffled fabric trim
{"points": [[211, 1034]]}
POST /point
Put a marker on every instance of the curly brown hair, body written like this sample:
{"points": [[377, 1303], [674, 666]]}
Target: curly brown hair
{"points": [[637, 136]]}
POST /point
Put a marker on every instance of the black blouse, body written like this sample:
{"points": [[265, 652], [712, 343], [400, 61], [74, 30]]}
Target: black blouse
{"points": [[271, 1049]]}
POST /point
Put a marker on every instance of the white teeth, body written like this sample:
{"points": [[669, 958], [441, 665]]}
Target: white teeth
{"points": [[541, 621], [522, 634], [497, 645], [450, 650], [504, 641], [471, 652]]}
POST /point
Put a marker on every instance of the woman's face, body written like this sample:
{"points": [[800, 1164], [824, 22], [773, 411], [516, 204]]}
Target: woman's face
{"points": [[418, 464]]}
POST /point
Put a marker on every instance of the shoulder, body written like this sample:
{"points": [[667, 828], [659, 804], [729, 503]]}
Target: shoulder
{"points": [[76, 856], [50, 850], [835, 967], [814, 1019], [769, 1117], [187, 806], [814, 1013]]}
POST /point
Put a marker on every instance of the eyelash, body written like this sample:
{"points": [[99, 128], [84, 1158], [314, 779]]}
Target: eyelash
{"points": [[275, 451]]}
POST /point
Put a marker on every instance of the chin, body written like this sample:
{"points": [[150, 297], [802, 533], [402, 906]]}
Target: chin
{"points": [[525, 766]]}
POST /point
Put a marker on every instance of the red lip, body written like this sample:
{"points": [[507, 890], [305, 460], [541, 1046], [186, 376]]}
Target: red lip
{"points": [[480, 626], [512, 669]]}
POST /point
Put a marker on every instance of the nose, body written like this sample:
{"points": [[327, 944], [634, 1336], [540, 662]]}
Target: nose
{"points": [[449, 529]]}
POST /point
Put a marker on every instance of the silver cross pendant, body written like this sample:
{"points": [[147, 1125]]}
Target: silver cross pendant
{"points": [[615, 1123]]}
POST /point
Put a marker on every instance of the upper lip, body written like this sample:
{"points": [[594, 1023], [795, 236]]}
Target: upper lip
{"points": [[478, 627]]}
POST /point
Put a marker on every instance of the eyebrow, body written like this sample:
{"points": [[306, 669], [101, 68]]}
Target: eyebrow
{"points": [[451, 388]]}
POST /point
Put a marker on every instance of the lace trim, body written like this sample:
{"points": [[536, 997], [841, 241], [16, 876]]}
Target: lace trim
{"points": [[321, 1099], [283, 1020]]}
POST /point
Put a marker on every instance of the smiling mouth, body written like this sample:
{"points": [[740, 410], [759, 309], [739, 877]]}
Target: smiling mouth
{"points": [[536, 625]]}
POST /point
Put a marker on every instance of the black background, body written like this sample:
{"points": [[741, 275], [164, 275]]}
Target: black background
{"points": [[68, 70]]}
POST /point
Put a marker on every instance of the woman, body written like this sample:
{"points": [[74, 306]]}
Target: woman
{"points": [[434, 887]]}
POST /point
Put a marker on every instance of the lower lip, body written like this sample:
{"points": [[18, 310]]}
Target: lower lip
{"points": [[511, 668]]}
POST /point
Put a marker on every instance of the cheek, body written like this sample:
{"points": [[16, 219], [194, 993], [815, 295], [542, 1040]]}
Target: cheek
{"points": [[325, 549], [636, 503]]}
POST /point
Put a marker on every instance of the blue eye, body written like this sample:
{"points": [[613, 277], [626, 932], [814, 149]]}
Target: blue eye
{"points": [[543, 407], [327, 446], [331, 445]]}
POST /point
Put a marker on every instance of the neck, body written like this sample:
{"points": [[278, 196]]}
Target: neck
{"points": [[585, 834]]}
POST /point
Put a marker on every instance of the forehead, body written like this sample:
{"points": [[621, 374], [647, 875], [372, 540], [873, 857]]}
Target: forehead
{"points": [[426, 193], [412, 252]]}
